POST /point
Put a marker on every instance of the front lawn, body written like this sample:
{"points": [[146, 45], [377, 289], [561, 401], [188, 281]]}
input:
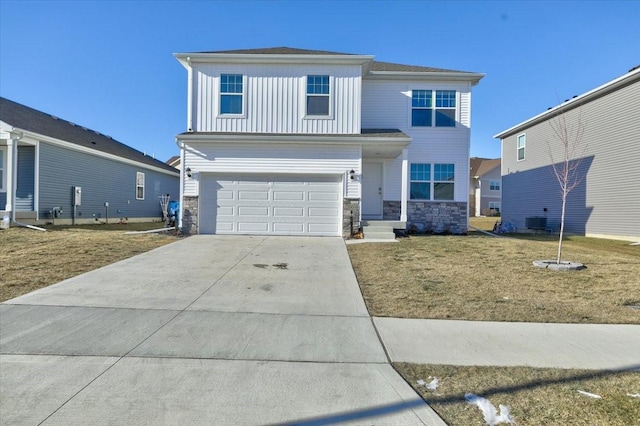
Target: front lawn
{"points": [[484, 278]]}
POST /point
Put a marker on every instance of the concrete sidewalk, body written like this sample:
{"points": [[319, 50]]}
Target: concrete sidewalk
{"points": [[582, 346], [207, 330]]}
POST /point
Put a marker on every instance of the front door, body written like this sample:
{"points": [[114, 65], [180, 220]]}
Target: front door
{"points": [[372, 191]]}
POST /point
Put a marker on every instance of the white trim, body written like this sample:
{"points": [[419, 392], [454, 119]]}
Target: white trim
{"points": [[36, 180], [138, 185], [3, 168], [186, 59], [404, 192], [76, 147], [243, 114], [330, 96]]}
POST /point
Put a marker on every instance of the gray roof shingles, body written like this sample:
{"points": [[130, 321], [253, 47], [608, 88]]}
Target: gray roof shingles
{"points": [[375, 65], [26, 118]]}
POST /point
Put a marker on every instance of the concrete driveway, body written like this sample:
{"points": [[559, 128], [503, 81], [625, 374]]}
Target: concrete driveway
{"points": [[207, 330]]}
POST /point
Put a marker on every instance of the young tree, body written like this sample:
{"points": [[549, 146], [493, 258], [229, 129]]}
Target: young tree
{"points": [[567, 171]]}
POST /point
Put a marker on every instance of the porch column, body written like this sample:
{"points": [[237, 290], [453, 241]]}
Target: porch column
{"points": [[405, 180], [12, 175]]}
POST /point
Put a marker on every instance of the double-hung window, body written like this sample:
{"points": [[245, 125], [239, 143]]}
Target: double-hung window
{"points": [[443, 177], [318, 95], [494, 185], [420, 186], [426, 113], [495, 206], [522, 141], [139, 186], [231, 94]]}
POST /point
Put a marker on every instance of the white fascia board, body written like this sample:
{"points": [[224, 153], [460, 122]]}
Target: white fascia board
{"points": [[186, 59], [473, 78], [295, 139], [599, 91], [96, 153]]}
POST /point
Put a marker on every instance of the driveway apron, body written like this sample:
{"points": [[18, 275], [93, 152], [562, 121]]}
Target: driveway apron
{"points": [[208, 330]]}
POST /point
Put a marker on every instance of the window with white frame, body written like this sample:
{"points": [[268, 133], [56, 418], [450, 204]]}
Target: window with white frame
{"points": [[139, 186], [420, 186], [443, 178], [426, 113], [494, 185], [431, 181], [494, 205], [3, 169], [522, 141], [318, 95], [231, 91]]}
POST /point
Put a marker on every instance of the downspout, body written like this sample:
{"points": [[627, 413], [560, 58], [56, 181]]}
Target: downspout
{"points": [[181, 148]]}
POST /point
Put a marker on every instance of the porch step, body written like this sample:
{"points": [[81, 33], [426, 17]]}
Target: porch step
{"points": [[380, 229]]}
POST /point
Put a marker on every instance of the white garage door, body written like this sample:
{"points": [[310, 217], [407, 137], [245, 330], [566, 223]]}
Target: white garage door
{"points": [[268, 204]]}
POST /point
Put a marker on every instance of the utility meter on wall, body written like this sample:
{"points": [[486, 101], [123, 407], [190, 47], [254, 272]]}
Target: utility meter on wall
{"points": [[77, 196]]}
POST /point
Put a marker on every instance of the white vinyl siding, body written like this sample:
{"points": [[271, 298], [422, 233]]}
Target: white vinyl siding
{"points": [[281, 159], [275, 99]]}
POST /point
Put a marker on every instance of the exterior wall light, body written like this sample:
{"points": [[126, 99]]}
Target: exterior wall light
{"points": [[188, 170], [352, 174]]}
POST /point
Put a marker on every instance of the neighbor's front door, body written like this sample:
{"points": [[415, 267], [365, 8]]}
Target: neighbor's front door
{"points": [[372, 190]]}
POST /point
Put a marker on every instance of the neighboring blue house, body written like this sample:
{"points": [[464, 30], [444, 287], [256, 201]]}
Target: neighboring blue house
{"points": [[54, 171]]}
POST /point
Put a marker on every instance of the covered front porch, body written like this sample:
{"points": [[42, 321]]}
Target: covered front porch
{"points": [[18, 176]]}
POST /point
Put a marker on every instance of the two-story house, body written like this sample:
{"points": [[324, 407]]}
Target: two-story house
{"points": [[286, 141], [484, 186]]}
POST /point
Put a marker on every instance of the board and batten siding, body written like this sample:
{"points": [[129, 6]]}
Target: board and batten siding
{"points": [[281, 159], [102, 180], [387, 104], [608, 201], [275, 99]]}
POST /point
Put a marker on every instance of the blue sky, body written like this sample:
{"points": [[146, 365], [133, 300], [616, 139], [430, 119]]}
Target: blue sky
{"points": [[109, 65]]}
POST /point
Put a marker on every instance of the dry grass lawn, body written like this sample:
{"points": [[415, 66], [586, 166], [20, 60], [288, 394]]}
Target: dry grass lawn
{"points": [[478, 277], [32, 259], [535, 396]]}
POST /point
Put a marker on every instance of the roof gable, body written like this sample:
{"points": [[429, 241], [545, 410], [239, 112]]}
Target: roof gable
{"points": [[25, 118]]}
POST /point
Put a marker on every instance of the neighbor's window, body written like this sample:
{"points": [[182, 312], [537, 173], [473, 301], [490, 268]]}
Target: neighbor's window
{"points": [[522, 141], [494, 185], [494, 205], [423, 113], [231, 94], [420, 186], [443, 177], [421, 108], [2, 170], [139, 186], [318, 94], [445, 108]]}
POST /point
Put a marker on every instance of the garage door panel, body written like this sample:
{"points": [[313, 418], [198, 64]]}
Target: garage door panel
{"points": [[288, 211], [296, 195], [268, 204]]}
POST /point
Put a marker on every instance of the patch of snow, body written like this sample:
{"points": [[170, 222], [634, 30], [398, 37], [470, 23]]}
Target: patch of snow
{"points": [[432, 386], [634, 395], [589, 394], [491, 416]]}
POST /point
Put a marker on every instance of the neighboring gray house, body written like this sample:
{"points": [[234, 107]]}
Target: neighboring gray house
{"points": [[52, 170], [607, 201], [484, 186]]}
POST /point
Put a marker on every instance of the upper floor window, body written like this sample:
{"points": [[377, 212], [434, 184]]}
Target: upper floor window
{"points": [[494, 185], [318, 93], [425, 114], [231, 94], [522, 141], [139, 186], [443, 177]]}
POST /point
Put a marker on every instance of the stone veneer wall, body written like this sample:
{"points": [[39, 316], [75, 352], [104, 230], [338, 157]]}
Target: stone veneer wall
{"points": [[190, 215], [349, 206], [437, 217], [391, 210]]}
